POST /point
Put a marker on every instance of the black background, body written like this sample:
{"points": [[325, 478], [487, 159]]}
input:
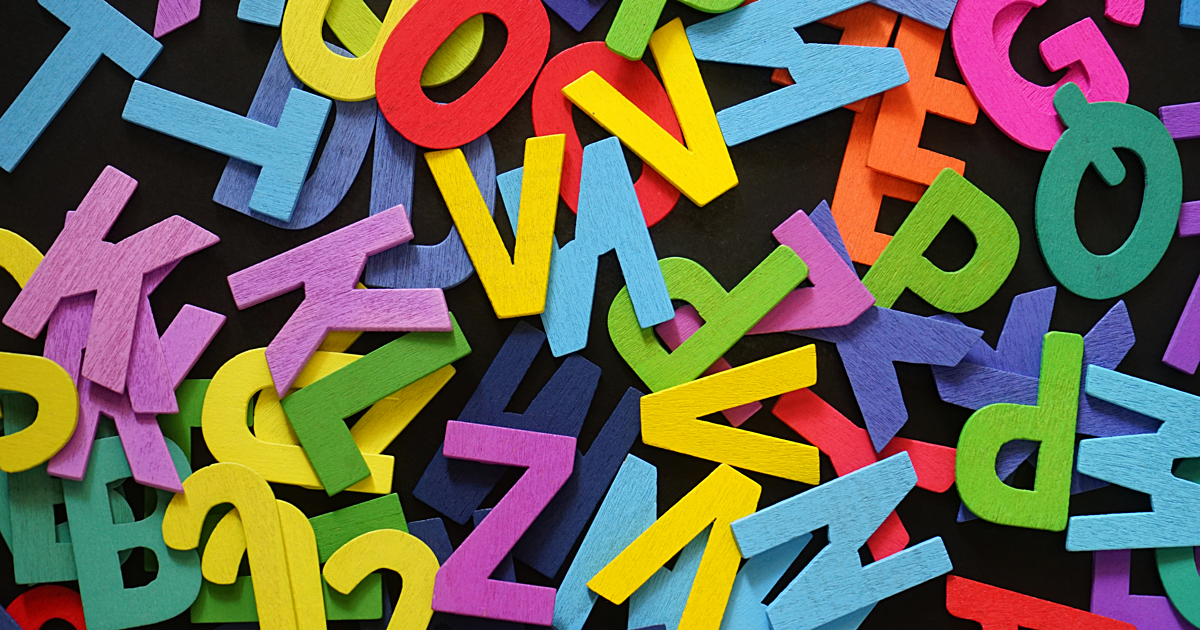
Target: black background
{"points": [[219, 60]]}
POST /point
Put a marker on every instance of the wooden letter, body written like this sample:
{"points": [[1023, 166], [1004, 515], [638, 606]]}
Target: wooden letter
{"points": [[835, 584], [902, 264], [998, 609], [57, 410], [1143, 463], [284, 151], [894, 147], [395, 550], [317, 411], [95, 30], [878, 338], [516, 287], [763, 34], [417, 37], [255, 503], [552, 113], [328, 268], [1092, 136], [630, 30], [671, 418], [982, 37], [727, 315], [702, 170], [97, 543], [609, 219], [80, 261], [723, 496], [463, 585], [1051, 423], [837, 296]]}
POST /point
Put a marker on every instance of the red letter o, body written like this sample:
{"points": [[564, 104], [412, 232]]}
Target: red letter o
{"points": [[418, 36]]}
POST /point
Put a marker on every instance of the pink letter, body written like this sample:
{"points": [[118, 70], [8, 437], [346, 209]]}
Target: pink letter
{"points": [[982, 35], [80, 262], [463, 586], [328, 268]]}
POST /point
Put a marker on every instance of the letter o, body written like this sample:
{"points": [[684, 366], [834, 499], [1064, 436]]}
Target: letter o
{"points": [[417, 37]]}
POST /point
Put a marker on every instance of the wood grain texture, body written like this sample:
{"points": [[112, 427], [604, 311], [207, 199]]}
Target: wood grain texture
{"points": [[18, 257], [397, 551], [317, 411], [609, 219], [284, 151], [33, 608], [728, 316], [671, 418], [41, 550], [547, 543], [722, 497], [339, 164], [463, 585], [172, 14], [861, 189], [335, 76], [837, 296], [327, 268], [635, 19], [1111, 597], [226, 406], [516, 285], [576, 13], [1051, 423], [869, 346], [411, 266], [1092, 136], [227, 544], [414, 41], [763, 34], [1141, 462], [982, 38], [265, 12], [355, 24], [835, 584], [629, 507], [662, 599], [1009, 374], [433, 533], [95, 30], [97, 542], [1176, 567], [552, 114], [850, 448], [57, 410], [80, 261], [255, 503], [894, 146], [335, 529], [902, 264], [142, 439], [995, 608], [702, 170], [756, 579], [685, 324]]}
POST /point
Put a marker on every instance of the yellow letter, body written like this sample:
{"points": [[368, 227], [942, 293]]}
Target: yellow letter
{"points": [[395, 550], [671, 418], [353, 79], [702, 170], [723, 497], [252, 497], [517, 287]]}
